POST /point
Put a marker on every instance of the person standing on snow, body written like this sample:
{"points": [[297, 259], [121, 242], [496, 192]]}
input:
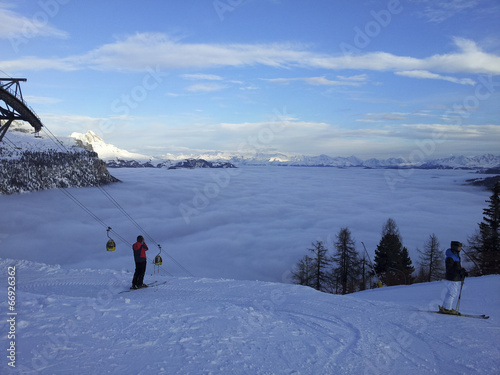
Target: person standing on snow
{"points": [[140, 258], [455, 275]]}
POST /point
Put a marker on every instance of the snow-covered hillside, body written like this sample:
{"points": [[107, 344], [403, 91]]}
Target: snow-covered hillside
{"points": [[20, 137], [76, 322]]}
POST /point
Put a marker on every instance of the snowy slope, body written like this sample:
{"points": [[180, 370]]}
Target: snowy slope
{"points": [[76, 322], [20, 138]]}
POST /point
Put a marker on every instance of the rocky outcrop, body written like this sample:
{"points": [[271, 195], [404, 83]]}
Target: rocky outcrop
{"points": [[40, 170], [200, 163]]}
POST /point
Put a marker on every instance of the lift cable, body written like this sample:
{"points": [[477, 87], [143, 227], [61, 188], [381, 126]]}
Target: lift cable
{"points": [[63, 148]]}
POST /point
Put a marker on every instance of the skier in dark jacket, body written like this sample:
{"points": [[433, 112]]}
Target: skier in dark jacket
{"points": [[140, 258], [455, 275]]}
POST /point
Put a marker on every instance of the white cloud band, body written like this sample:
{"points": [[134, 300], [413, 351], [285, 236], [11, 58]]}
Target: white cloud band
{"points": [[143, 50]]}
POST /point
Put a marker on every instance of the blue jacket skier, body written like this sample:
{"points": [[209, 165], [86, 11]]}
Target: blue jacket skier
{"points": [[455, 275]]}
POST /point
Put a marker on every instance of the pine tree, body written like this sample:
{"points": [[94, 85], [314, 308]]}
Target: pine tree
{"points": [[303, 275], [431, 260], [313, 270], [406, 266], [392, 261], [346, 259], [386, 255], [320, 261], [485, 244]]}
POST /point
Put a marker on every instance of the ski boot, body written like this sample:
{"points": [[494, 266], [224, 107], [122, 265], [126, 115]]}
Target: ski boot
{"points": [[442, 310]]}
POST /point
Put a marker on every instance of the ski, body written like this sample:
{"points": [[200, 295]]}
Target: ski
{"points": [[477, 316], [154, 283]]}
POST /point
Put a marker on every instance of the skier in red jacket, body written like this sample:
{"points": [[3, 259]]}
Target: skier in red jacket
{"points": [[140, 258]]}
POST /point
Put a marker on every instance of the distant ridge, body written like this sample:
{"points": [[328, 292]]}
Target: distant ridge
{"points": [[119, 158], [452, 162], [116, 157]]}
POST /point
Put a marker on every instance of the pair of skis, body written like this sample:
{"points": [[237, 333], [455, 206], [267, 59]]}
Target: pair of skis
{"points": [[154, 283], [477, 316]]}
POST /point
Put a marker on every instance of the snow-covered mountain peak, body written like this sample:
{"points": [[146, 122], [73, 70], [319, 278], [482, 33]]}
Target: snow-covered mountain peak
{"points": [[105, 150], [89, 137]]}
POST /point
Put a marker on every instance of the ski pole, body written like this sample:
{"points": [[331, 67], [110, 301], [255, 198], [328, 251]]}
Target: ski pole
{"points": [[473, 261], [459, 296]]}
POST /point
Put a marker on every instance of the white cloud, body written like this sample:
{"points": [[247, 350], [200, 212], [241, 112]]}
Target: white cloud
{"points": [[440, 10], [205, 87], [358, 78], [308, 137], [277, 126], [199, 76], [317, 81], [486, 133], [209, 86], [35, 64], [66, 124], [17, 28], [142, 51], [285, 134], [424, 74], [382, 117], [469, 59], [41, 99]]}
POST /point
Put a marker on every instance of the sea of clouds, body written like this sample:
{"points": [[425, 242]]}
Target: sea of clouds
{"points": [[250, 223]]}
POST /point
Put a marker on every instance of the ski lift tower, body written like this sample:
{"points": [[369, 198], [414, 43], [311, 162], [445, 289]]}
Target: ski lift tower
{"points": [[13, 107]]}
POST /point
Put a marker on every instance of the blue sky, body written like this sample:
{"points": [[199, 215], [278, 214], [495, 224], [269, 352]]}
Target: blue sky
{"points": [[410, 78]]}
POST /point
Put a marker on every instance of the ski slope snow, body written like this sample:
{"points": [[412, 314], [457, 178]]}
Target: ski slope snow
{"points": [[75, 321]]}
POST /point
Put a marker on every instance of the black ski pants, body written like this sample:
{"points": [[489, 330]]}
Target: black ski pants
{"points": [[140, 270]]}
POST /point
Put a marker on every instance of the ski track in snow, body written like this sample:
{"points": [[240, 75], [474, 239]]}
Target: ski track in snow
{"points": [[75, 321]]}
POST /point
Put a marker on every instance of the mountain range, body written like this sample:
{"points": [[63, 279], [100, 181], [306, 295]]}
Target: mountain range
{"points": [[116, 157]]}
